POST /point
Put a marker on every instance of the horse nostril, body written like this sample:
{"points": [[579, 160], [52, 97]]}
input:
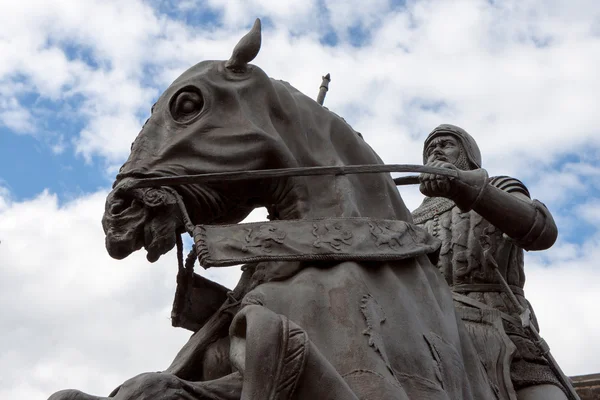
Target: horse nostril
{"points": [[117, 207]]}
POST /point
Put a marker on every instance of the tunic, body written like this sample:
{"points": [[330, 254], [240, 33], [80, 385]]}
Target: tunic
{"points": [[463, 265]]}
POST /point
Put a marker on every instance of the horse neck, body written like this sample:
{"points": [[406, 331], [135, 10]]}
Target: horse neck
{"points": [[354, 195], [341, 196], [313, 137]]}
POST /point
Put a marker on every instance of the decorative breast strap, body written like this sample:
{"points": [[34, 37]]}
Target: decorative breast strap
{"points": [[331, 239]]}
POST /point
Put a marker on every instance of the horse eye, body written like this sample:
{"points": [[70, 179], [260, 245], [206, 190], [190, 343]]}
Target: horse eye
{"points": [[186, 105]]}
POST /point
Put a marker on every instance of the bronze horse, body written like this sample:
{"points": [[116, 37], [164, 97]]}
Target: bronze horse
{"points": [[341, 300]]}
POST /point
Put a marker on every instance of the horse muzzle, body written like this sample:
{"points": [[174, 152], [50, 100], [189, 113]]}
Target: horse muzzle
{"points": [[123, 222], [140, 217]]}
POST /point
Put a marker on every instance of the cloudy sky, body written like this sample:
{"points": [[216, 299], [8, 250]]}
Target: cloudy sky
{"points": [[78, 77]]}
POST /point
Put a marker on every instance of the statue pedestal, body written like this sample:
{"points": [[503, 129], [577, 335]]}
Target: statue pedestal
{"points": [[587, 386]]}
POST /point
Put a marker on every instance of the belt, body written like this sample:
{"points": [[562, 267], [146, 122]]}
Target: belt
{"points": [[482, 306], [485, 287]]}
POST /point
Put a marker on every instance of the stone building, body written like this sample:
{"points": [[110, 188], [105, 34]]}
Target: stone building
{"points": [[587, 386]]}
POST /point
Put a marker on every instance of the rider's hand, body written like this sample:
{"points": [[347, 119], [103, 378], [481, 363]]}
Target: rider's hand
{"points": [[433, 185]]}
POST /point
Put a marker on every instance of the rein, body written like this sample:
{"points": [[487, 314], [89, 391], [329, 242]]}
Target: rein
{"points": [[189, 227], [299, 171]]}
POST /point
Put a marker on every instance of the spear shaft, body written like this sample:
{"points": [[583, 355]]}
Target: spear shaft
{"points": [[323, 89]]}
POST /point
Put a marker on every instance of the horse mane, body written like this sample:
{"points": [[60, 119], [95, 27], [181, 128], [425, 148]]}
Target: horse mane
{"points": [[330, 140]]}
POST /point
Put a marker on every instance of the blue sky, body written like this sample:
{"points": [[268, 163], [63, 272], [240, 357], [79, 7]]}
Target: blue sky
{"points": [[78, 78], [29, 166]]}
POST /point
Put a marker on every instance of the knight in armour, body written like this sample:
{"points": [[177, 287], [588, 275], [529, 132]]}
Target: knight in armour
{"points": [[484, 223]]}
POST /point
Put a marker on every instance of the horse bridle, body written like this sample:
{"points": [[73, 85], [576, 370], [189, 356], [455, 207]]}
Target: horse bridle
{"points": [[186, 267], [168, 182]]}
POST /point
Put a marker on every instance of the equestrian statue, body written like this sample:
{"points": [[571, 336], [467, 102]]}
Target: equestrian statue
{"points": [[340, 295]]}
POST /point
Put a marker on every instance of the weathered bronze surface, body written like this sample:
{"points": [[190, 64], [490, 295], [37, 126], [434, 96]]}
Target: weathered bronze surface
{"points": [[340, 297], [484, 224]]}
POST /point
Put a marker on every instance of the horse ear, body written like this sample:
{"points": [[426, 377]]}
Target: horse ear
{"points": [[246, 49]]}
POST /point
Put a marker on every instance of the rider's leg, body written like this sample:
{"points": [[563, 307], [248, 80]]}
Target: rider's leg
{"points": [[278, 361], [541, 392]]}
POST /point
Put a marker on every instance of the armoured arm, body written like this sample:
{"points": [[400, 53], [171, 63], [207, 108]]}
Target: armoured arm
{"points": [[505, 203]]}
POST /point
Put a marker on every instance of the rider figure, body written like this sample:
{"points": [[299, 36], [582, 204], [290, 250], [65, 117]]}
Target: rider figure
{"points": [[474, 213]]}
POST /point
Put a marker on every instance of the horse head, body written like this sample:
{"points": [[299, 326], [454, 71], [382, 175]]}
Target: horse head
{"points": [[229, 115]]}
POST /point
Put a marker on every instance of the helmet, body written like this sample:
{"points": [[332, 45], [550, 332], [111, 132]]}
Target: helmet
{"points": [[468, 143]]}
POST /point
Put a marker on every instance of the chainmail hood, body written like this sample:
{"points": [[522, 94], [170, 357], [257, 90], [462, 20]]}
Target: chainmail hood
{"points": [[471, 150]]}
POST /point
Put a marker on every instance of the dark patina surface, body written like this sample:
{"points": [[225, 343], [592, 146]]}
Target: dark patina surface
{"points": [[484, 224], [340, 297]]}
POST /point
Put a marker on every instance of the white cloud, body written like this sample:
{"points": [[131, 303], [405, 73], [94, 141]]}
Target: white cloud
{"points": [[14, 116], [110, 134], [478, 61], [5, 198], [569, 184], [111, 43], [583, 169], [72, 316], [343, 15], [564, 294], [292, 14], [590, 211], [59, 146]]}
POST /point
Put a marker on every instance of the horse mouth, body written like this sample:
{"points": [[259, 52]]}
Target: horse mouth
{"points": [[151, 217], [137, 218], [124, 230]]}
